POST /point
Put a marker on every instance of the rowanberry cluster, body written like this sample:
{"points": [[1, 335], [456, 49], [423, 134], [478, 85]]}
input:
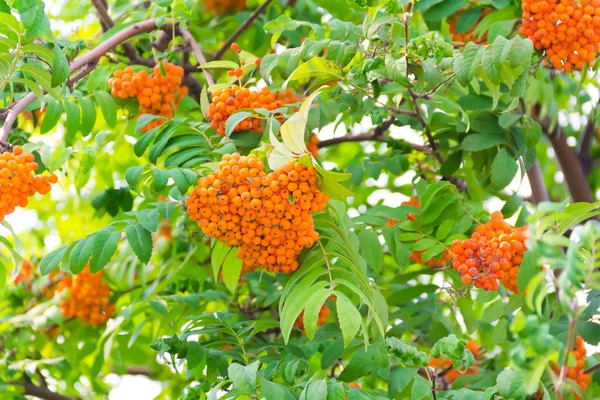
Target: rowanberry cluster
{"points": [[577, 373], [157, 94], [223, 6], [468, 35], [227, 101], [324, 313], [18, 181], [267, 215], [417, 256], [446, 365], [25, 272], [494, 252], [313, 145], [89, 297], [568, 30]]}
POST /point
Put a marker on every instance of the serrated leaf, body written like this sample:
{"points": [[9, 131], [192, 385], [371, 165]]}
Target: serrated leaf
{"points": [[103, 248], [349, 318], [140, 241], [161, 178], [54, 110], [80, 254], [371, 249], [312, 310], [234, 120], [481, 141], [244, 378], [504, 169], [467, 63], [107, 107], [60, 67], [53, 259], [88, 112]]}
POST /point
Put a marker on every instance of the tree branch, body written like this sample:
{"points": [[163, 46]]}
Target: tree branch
{"points": [[91, 57], [241, 30], [536, 182], [376, 136], [187, 36], [107, 22], [585, 144], [575, 177], [592, 369], [40, 392]]}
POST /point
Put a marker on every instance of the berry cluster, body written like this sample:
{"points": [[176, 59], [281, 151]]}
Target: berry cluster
{"points": [[468, 35], [89, 298], [417, 256], [324, 313], [18, 181], [446, 365], [313, 145], [494, 252], [25, 272], [227, 101], [267, 215], [157, 94], [568, 30], [222, 6], [577, 373]]}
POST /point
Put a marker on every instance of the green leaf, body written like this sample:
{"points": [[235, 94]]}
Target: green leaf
{"points": [[88, 115], [107, 106], [520, 52], [397, 69], [73, 120], [204, 102], [54, 110], [315, 390], [244, 378], [219, 64], [144, 120], [332, 353], [232, 269], [53, 259], [468, 18], [504, 169], [312, 310], [161, 178], [103, 248], [400, 378], [274, 391], [160, 306], [507, 120], [349, 318], [370, 248], [148, 219], [501, 28], [481, 141], [317, 67], [421, 389], [60, 67], [234, 120], [467, 63], [80, 254], [140, 241]]}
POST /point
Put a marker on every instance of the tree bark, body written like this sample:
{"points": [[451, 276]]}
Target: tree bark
{"points": [[575, 177]]}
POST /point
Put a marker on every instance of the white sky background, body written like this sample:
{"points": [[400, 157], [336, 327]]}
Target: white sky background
{"points": [[142, 388]]}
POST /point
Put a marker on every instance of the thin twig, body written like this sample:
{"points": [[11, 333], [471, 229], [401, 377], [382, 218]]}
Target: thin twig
{"points": [[241, 30], [563, 369], [185, 34], [592, 369], [434, 146]]}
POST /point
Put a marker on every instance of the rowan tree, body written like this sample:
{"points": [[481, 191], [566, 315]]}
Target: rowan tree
{"points": [[300, 199]]}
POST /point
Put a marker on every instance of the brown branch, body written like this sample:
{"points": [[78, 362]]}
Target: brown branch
{"points": [[592, 369], [585, 144], [539, 192], [241, 30], [376, 136], [187, 36], [91, 57], [107, 23], [575, 177], [40, 392]]}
